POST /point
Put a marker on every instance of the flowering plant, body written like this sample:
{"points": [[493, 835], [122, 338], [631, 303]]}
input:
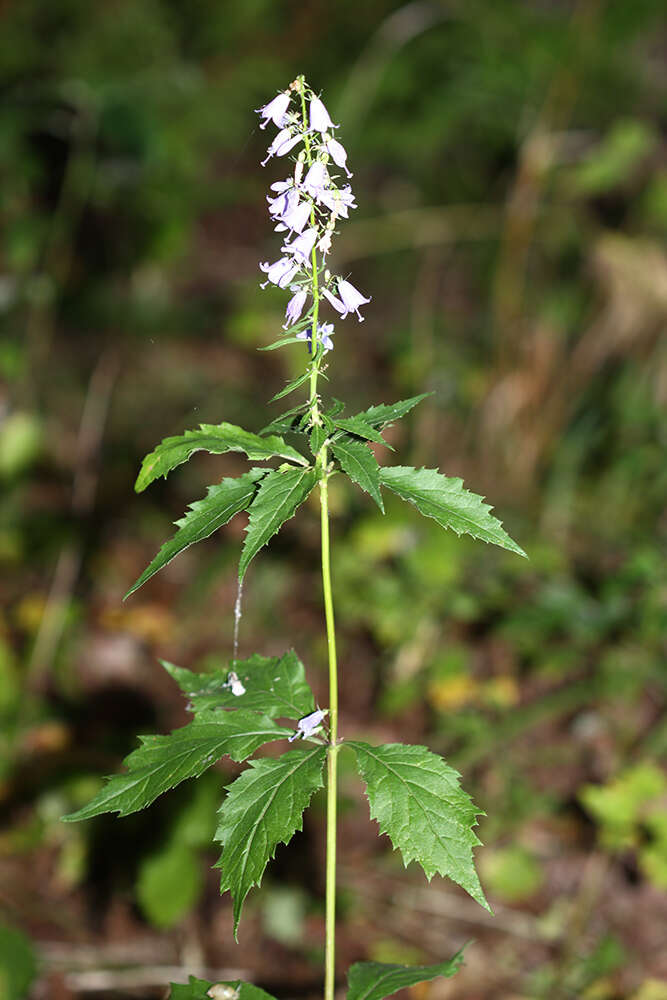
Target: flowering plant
{"points": [[413, 793]]}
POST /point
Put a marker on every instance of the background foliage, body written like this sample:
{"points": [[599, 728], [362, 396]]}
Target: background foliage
{"points": [[509, 166]]}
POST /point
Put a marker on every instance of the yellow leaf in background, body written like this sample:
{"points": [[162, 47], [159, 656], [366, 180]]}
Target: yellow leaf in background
{"points": [[30, 611], [452, 692], [151, 622], [502, 691], [651, 989]]}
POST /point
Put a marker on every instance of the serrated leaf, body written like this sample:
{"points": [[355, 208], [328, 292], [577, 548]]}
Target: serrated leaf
{"points": [[386, 413], [416, 798], [447, 501], [162, 762], [219, 506], [360, 464], [377, 980], [357, 425], [196, 989], [318, 436], [283, 424], [281, 343], [275, 686], [216, 439], [291, 386], [263, 808], [277, 499]]}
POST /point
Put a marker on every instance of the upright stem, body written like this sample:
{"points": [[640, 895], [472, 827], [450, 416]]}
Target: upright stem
{"points": [[332, 757]]}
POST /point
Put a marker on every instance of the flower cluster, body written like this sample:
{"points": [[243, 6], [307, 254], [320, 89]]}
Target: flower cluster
{"points": [[306, 207]]}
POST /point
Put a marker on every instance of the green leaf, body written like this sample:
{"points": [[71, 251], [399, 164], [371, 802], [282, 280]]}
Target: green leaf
{"points": [[162, 762], [447, 502], [169, 884], [18, 963], [201, 989], [357, 425], [216, 439], [291, 386], [281, 343], [263, 808], [377, 980], [204, 517], [275, 686], [360, 464], [417, 800], [284, 422], [318, 436], [277, 499], [386, 413]]}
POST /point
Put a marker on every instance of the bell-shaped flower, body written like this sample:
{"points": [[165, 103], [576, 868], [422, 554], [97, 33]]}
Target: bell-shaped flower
{"points": [[336, 303], [279, 273], [338, 154], [283, 142], [351, 298], [282, 185], [324, 245], [275, 110], [303, 245], [296, 216], [317, 179], [319, 116], [338, 200], [282, 204], [295, 308], [324, 332]]}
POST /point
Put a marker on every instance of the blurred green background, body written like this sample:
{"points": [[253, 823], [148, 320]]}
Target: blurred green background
{"points": [[509, 166]]}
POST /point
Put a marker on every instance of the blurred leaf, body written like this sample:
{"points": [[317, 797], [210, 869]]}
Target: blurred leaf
{"points": [[512, 873], [615, 159], [283, 914], [169, 884], [624, 803], [18, 964], [20, 443]]}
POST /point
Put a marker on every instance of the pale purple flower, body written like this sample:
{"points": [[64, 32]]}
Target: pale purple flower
{"points": [[324, 245], [317, 179], [283, 203], [319, 116], [296, 216], [279, 273], [338, 154], [337, 201], [324, 332], [303, 245], [283, 142], [275, 110], [295, 308], [281, 185], [352, 298], [336, 303]]}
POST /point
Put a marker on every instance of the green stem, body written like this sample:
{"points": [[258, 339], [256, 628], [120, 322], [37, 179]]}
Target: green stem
{"points": [[332, 757]]}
